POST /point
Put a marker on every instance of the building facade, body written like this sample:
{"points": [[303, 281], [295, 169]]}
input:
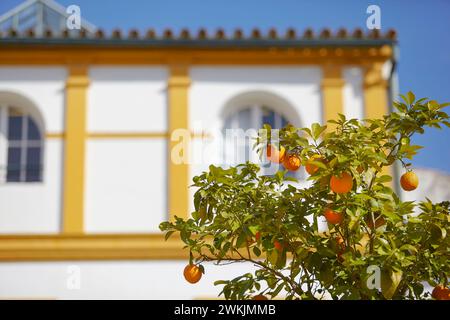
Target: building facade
{"points": [[89, 123]]}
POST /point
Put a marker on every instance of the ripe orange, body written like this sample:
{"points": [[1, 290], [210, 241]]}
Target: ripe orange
{"points": [[292, 162], [274, 154], [258, 236], [333, 217], [409, 181], [441, 293], [260, 297], [342, 183], [278, 246], [310, 168], [192, 273]]}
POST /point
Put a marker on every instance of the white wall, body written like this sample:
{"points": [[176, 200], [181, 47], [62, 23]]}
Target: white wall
{"points": [[127, 99], [112, 280], [36, 207], [126, 178], [126, 185], [44, 86]]}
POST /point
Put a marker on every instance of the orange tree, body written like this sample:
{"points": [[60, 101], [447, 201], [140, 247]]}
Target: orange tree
{"points": [[375, 247]]}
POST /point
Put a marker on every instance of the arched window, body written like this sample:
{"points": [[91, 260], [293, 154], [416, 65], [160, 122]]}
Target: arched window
{"points": [[21, 146]]}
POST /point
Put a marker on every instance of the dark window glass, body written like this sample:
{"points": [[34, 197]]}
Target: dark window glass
{"points": [[33, 131], [15, 124], [14, 164], [33, 168]]}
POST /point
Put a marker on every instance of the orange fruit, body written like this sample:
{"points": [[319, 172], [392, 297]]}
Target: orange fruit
{"points": [[192, 273], [441, 293], [311, 168], [292, 162], [258, 236], [278, 245], [342, 183], [260, 297], [409, 181], [333, 217], [274, 154]]}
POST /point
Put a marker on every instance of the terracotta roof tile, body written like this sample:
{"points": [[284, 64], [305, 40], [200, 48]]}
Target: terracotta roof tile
{"points": [[202, 34], [308, 34], [151, 34], [238, 34], [185, 34], [272, 34]]}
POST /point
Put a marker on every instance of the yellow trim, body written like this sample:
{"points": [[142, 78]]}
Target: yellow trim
{"points": [[375, 92], [376, 98], [128, 135], [178, 114], [332, 92], [54, 135], [159, 56], [90, 247], [74, 149]]}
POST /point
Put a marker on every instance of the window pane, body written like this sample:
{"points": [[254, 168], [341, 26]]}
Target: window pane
{"points": [[33, 131], [13, 169], [33, 170], [15, 124]]}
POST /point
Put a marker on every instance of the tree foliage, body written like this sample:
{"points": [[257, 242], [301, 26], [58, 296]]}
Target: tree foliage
{"points": [[267, 220]]}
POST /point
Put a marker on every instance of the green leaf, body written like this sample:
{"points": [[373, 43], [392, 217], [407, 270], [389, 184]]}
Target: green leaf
{"points": [[273, 257], [389, 282], [256, 251], [168, 234], [317, 130], [277, 290], [411, 97], [384, 178]]}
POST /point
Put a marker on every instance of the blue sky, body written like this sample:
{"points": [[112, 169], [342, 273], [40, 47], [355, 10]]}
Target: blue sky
{"points": [[423, 28]]}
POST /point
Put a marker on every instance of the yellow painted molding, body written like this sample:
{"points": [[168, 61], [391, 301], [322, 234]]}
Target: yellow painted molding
{"points": [[376, 99], [90, 247], [74, 149], [223, 56], [128, 135], [375, 91], [54, 135], [178, 114], [332, 92]]}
